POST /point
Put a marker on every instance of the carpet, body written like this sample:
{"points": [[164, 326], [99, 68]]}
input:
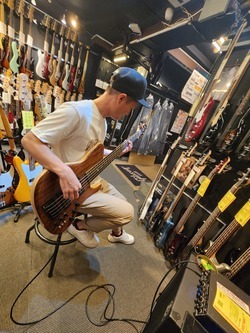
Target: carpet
{"points": [[132, 173]]}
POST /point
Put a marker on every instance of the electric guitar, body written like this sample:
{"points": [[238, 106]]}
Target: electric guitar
{"points": [[83, 78], [78, 71], [3, 30], [240, 220], [48, 66], [6, 190], [156, 213], [238, 264], [167, 222], [11, 32], [65, 67], [223, 204], [149, 197], [177, 239], [57, 213], [58, 72], [41, 63]]}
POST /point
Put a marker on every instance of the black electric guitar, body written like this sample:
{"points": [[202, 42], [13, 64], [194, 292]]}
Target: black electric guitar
{"points": [[177, 239], [223, 204], [57, 213]]}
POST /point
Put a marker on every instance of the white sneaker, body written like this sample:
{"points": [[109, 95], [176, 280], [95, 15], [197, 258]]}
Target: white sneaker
{"points": [[124, 238], [85, 237]]}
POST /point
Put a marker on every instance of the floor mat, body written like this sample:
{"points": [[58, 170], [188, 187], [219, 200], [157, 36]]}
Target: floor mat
{"points": [[132, 173]]}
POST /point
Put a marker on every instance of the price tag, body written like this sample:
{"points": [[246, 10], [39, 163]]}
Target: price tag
{"points": [[11, 32], [226, 201], [2, 28], [243, 215], [29, 40], [203, 186], [28, 119]]}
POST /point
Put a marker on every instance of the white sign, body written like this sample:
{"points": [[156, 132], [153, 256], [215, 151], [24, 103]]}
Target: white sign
{"points": [[193, 87]]}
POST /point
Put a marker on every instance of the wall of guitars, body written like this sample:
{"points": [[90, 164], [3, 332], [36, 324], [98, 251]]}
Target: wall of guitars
{"points": [[198, 202], [43, 63]]}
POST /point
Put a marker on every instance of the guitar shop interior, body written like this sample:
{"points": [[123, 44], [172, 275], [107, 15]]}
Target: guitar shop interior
{"points": [[187, 175]]}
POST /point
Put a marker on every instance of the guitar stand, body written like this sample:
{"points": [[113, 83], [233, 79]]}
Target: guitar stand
{"points": [[57, 242], [19, 208]]}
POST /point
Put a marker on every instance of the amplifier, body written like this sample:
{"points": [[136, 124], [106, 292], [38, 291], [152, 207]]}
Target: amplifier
{"points": [[220, 305]]}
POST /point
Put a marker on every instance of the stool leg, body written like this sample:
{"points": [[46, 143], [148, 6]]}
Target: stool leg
{"points": [[27, 238], [53, 261]]}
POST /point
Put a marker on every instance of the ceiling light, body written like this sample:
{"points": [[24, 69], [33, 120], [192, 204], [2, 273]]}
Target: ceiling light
{"points": [[74, 21], [63, 20], [216, 45], [134, 27], [169, 14], [33, 2]]}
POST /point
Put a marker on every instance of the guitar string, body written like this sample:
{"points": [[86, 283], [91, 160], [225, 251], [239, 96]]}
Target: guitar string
{"points": [[60, 203]]}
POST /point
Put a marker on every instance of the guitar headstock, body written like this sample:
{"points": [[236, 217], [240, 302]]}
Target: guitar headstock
{"points": [[62, 30], [68, 34], [74, 36], [46, 21], [54, 25], [11, 4], [219, 168], [37, 87], [31, 13], [20, 8]]}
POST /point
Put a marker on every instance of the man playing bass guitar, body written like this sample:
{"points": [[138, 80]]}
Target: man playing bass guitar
{"points": [[72, 131]]}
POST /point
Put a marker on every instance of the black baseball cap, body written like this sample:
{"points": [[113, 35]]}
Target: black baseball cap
{"points": [[128, 81]]}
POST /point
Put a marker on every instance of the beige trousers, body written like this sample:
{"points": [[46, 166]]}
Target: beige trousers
{"points": [[108, 208]]}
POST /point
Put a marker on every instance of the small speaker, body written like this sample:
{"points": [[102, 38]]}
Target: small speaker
{"points": [[213, 8]]}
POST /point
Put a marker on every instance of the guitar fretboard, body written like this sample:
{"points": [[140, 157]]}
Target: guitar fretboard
{"points": [[238, 264]]}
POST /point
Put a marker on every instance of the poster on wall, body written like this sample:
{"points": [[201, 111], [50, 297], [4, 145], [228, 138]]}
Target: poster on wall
{"points": [[179, 121], [193, 87]]}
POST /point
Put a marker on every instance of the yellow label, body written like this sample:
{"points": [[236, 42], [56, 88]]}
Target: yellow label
{"points": [[203, 186], [243, 215], [28, 119], [226, 201], [233, 310]]}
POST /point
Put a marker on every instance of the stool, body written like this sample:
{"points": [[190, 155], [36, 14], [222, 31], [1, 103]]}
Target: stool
{"points": [[56, 243]]}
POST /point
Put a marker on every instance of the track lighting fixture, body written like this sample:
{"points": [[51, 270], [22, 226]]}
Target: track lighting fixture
{"points": [[63, 20]]}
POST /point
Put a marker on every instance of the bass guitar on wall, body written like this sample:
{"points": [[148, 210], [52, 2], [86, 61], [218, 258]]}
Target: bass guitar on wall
{"points": [[177, 239], [223, 204]]}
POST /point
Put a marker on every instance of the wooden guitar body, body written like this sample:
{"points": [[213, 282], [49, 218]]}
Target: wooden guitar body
{"points": [[26, 178], [52, 210]]}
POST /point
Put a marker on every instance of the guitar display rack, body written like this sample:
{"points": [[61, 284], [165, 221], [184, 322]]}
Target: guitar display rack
{"points": [[57, 243]]}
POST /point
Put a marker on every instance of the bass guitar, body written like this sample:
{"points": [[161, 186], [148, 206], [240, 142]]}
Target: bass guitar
{"points": [[6, 190], [240, 220], [57, 213], [223, 204], [238, 264], [152, 189], [177, 239], [157, 213], [167, 222], [83, 78]]}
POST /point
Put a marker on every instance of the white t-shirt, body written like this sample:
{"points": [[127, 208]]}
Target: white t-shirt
{"points": [[71, 129]]}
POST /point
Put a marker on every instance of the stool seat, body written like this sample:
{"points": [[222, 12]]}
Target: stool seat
{"points": [[56, 242]]}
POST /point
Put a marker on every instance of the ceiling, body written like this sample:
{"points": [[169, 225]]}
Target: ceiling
{"points": [[104, 24]]}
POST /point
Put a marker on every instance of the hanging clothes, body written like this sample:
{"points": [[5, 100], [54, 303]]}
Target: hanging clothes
{"points": [[143, 117], [149, 140], [166, 115]]}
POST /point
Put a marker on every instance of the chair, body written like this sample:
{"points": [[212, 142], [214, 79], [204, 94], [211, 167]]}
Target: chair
{"points": [[57, 242]]}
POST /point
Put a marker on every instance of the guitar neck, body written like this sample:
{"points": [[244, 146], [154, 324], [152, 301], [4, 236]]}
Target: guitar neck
{"points": [[224, 236], [238, 264]]}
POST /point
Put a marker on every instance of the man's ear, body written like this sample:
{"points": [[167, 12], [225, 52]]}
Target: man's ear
{"points": [[122, 97]]}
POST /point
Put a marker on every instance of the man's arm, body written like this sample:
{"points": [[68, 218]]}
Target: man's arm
{"points": [[40, 151]]}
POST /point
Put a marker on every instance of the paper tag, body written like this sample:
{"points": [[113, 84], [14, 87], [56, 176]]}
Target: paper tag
{"points": [[30, 40], [11, 32], [2, 28], [6, 97], [226, 201], [28, 119], [243, 215], [233, 310], [203, 186], [21, 38]]}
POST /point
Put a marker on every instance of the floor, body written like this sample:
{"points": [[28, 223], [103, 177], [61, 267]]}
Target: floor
{"points": [[135, 271]]}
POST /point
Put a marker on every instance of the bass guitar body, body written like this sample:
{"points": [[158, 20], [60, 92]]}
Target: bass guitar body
{"points": [[162, 235], [6, 190], [52, 210], [26, 178]]}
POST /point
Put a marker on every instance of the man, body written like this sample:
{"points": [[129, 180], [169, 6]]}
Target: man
{"points": [[67, 133]]}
